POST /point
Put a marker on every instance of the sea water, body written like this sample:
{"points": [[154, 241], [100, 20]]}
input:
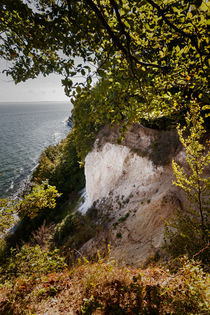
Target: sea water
{"points": [[26, 129]]}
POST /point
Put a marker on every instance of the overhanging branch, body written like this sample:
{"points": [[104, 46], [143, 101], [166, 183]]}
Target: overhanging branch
{"points": [[161, 12], [116, 40]]}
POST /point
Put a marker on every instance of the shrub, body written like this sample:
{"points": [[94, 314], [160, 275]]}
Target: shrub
{"points": [[32, 205], [31, 262], [184, 236], [42, 196], [188, 233], [60, 165], [105, 288], [113, 290], [74, 230], [8, 219]]}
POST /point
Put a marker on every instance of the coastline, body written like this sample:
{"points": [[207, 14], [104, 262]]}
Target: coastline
{"points": [[21, 183]]}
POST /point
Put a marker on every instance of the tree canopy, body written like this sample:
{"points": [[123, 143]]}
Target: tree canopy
{"points": [[152, 54]]}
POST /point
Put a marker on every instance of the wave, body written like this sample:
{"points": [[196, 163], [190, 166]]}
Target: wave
{"points": [[33, 168], [11, 187]]}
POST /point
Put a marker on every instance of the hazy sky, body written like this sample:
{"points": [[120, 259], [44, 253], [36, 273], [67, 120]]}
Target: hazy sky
{"points": [[41, 89]]}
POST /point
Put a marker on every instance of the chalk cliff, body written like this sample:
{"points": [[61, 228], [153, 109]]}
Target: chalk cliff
{"points": [[131, 186]]}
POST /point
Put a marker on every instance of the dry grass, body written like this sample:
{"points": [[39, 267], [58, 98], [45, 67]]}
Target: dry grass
{"points": [[105, 288]]}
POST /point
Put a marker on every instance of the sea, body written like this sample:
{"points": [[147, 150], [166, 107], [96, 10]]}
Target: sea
{"points": [[26, 129]]}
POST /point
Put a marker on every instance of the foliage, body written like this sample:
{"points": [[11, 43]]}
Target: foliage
{"points": [[190, 229], [7, 215], [153, 54], [193, 183], [74, 231], [89, 114], [60, 166], [42, 236], [149, 60], [102, 287], [154, 291], [42, 196], [22, 271], [184, 236], [30, 262], [102, 104]]}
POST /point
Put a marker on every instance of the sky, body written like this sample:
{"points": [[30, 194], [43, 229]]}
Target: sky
{"points": [[33, 90]]}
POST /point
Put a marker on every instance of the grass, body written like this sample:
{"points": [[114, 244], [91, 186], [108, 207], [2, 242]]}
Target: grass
{"points": [[103, 287]]}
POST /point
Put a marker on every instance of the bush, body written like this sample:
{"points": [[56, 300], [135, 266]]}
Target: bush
{"points": [[188, 233], [31, 262], [59, 164], [31, 207], [42, 196], [74, 230], [183, 236], [113, 290], [105, 288]]}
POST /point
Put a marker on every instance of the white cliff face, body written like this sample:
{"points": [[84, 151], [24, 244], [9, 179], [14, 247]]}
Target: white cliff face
{"points": [[133, 194], [116, 168]]}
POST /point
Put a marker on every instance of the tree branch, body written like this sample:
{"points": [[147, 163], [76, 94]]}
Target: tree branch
{"points": [[115, 38], [122, 26], [178, 30], [162, 13]]}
